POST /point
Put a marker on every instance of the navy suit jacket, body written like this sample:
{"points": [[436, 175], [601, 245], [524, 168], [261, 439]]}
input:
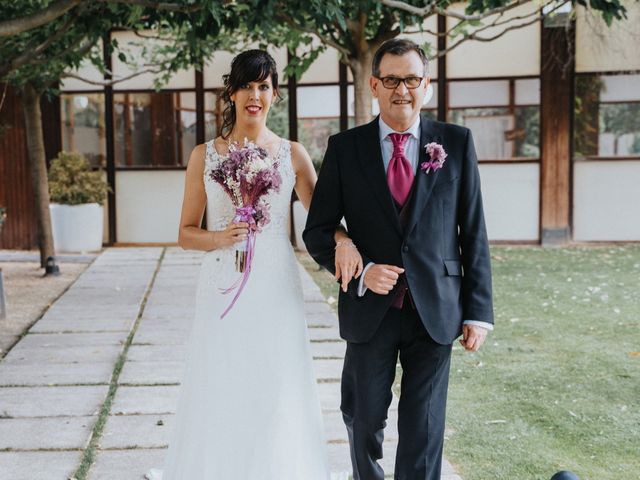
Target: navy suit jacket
{"points": [[441, 241]]}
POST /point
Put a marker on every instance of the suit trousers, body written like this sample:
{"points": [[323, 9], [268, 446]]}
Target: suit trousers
{"points": [[367, 378]]}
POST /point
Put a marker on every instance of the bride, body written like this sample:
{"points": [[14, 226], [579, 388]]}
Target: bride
{"points": [[248, 407]]}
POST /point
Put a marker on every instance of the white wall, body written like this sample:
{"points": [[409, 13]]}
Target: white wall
{"points": [[148, 205], [135, 45], [600, 48], [517, 52], [605, 200], [511, 196]]}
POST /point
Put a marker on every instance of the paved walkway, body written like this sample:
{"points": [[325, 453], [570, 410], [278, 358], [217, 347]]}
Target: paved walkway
{"points": [[113, 346]]}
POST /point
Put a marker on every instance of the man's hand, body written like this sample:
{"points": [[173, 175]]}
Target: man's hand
{"points": [[381, 279], [348, 263], [473, 337]]}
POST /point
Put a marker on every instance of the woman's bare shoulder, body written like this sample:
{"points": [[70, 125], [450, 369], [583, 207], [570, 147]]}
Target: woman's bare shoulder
{"points": [[196, 160]]}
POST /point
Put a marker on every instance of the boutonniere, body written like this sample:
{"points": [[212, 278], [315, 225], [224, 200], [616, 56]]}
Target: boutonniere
{"points": [[437, 156]]}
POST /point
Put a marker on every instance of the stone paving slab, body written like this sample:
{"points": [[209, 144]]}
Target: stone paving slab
{"points": [[74, 324], [168, 312], [145, 400], [141, 431], [321, 350], [156, 353], [125, 464], [319, 308], [328, 369], [313, 296], [80, 296], [151, 373], [324, 333], [51, 401], [38, 433], [321, 320], [183, 294], [164, 324], [93, 310], [149, 334], [25, 355], [39, 465], [184, 297], [114, 279], [55, 374], [72, 339], [188, 286]]}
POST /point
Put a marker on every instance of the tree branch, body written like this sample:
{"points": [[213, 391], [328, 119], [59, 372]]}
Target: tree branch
{"points": [[29, 59], [15, 26], [109, 83], [172, 7], [478, 38], [431, 8], [57, 35], [324, 39]]}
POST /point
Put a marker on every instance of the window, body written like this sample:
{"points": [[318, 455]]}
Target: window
{"points": [[504, 116], [607, 116], [83, 129], [154, 129], [318, 118], [212, 115], [278, 120]]}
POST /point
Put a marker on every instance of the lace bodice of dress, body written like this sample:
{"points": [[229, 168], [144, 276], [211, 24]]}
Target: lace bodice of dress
{"points": [[220, 208]]}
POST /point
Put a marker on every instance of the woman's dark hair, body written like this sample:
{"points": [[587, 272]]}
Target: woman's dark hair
{"points": [[250, 66], [397, 46]]}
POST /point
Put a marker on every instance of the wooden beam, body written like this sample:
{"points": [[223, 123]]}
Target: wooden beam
{"points": [[110, 144], [200, 108], [556, 107], [442, 70], [344, 97], [292, 98]]}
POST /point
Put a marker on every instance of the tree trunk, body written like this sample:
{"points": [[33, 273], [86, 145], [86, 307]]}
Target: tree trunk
{"points": [[361, 71], [38, 169]]}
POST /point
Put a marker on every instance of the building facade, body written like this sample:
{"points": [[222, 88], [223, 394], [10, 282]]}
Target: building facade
{"points": [[555, 113]]}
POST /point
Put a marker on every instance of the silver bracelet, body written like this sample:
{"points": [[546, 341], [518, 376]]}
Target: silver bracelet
{"points": [[349, 244]]}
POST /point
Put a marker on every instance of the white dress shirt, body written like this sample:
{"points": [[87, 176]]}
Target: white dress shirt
{"points": [[412, 152]]}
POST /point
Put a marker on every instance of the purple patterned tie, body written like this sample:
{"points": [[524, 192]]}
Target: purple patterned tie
{"points": [[399, 174]]}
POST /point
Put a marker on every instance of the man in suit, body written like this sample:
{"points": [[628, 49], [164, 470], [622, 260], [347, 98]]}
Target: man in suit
{"points": [[420, 229]]}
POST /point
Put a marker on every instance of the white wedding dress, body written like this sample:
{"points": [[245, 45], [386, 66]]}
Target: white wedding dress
{"points": [[248, 407]]}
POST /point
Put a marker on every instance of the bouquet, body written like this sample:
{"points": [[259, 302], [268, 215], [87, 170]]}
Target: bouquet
{"points": [[248, 175]]}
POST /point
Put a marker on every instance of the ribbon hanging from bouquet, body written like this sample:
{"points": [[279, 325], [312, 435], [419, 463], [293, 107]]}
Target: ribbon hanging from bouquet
{"points": [[243, 214]]}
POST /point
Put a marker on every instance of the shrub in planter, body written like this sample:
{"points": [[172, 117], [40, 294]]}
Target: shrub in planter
{"points": [[77, 194], [3, 216]]}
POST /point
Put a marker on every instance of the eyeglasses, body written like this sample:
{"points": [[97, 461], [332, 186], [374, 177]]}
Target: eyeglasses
{"points": [[393, 82]]}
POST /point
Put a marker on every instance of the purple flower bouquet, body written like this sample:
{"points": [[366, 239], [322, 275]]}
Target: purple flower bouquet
{"points": [[248, 175]]}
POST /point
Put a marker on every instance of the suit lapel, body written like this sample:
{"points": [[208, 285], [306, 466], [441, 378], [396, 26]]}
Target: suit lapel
{"points": [[373, 167], [423, 181]]}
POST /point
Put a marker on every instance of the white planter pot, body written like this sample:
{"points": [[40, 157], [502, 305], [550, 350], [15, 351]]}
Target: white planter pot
{"points": [[77, 228]]}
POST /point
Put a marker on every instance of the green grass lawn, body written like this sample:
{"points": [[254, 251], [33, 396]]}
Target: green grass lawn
{"points": [[557, 385]]}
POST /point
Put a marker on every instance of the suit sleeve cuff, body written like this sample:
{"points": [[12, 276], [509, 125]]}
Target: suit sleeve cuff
{"points": [[362, 289], [478, 323]]}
